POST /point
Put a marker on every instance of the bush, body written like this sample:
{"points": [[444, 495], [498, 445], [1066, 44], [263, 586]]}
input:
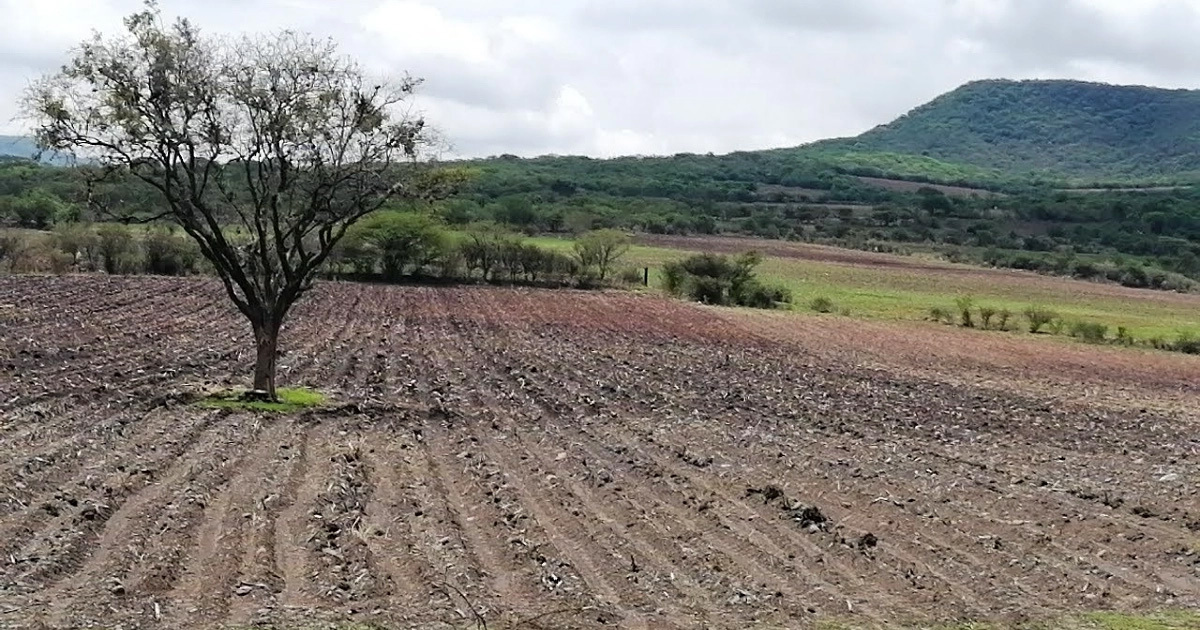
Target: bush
{"points": [[941, 315], [1090, 332], [755, 294], [451, 265], [17, 250], [59, 262], [79, 242], [986, 315], [1002, 318], [708, 290], [355, 252], [716, 279], [821, 304], [1187, 343], [1056, 326], [1123, 337], [481, 249], [38, 209], [600, 250], [116, 249], [167, 254], [1039, 317], [964, 304], [631, 276], [403, 243], [674, 278]]}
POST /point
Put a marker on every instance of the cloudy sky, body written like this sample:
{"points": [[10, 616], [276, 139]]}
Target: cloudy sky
{"points": [[615, 77]]}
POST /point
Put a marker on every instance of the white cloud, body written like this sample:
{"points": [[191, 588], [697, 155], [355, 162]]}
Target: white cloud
{"points": [[607, 77], [411, 29]]}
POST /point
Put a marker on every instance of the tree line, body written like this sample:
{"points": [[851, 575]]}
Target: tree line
{"points": [[390, 246]]}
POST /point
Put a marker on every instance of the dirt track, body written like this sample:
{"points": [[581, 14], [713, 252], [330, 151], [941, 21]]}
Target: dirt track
{"points": [[600, 460]]}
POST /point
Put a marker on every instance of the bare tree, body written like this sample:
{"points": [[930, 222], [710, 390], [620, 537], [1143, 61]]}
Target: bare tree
{"points": [[265, 150]]}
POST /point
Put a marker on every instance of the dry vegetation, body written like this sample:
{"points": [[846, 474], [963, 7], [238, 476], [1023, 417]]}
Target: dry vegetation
{"points": [[573, 460]]}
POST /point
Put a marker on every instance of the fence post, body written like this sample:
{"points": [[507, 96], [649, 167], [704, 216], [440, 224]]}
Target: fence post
{"points": [[645, 276]]}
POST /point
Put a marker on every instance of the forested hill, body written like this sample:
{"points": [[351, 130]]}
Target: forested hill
{"points": [[1050, 129]]}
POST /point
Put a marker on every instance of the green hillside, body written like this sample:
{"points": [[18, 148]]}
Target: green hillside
{"points": [[1048, 129], [975, 175]]}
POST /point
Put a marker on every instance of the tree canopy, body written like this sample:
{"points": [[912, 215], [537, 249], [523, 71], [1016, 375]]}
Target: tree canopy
{"points": [[264, 149]]}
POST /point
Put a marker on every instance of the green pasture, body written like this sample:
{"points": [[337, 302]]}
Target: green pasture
{"points": [[907, 294]]}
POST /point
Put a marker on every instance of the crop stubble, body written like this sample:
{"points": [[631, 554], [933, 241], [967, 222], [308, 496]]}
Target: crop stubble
{"points": [[585, 459]]}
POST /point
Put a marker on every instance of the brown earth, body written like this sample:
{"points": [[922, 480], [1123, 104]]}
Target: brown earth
{"points": [[565, 460]]}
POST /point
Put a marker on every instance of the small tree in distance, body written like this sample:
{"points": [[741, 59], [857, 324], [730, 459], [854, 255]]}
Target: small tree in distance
{"points": [[600, 250], [265, 150]]}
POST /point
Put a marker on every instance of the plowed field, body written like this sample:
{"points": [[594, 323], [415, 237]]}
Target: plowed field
{"points": [[562, 460]]}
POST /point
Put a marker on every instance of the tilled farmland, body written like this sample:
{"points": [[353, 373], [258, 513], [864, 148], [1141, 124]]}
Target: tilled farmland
{"points": [[558, 460]]}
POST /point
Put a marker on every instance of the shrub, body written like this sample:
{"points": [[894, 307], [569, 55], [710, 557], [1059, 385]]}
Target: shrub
{"points": [[1083, 269], [964, 304], [1002, 318], [78, 241], [708, 290], [562, 267], [1187, 343], [1091, 332], [630, 276], [168, 254], [16, 250], [59, 262], [481, 249], [755, 294], [1123, 337], [716, 279], [674, 278], [1056, 326], [1134, 275], [599, 250], [821, 304], [116, 249], [355, 252], [38, 208], [511, 253], [1039, 317], [986, 315], [941, 315], [451, 265], [404, 243]]}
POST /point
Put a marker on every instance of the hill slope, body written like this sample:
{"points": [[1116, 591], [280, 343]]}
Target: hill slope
{"points": [[1049, 129], [24, 147]]}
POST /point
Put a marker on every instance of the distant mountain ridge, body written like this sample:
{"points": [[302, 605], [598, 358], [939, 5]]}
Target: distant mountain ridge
{"points": [[26, 148], [18, 146], [989, 132], [1049, 128]]}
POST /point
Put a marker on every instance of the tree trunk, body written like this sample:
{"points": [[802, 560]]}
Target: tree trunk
{"points": [[266, 339]]}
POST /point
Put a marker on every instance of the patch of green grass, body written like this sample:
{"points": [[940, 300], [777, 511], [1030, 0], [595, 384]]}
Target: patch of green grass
{"points": [[899, 293], [1178, 620], [290, 400]]}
